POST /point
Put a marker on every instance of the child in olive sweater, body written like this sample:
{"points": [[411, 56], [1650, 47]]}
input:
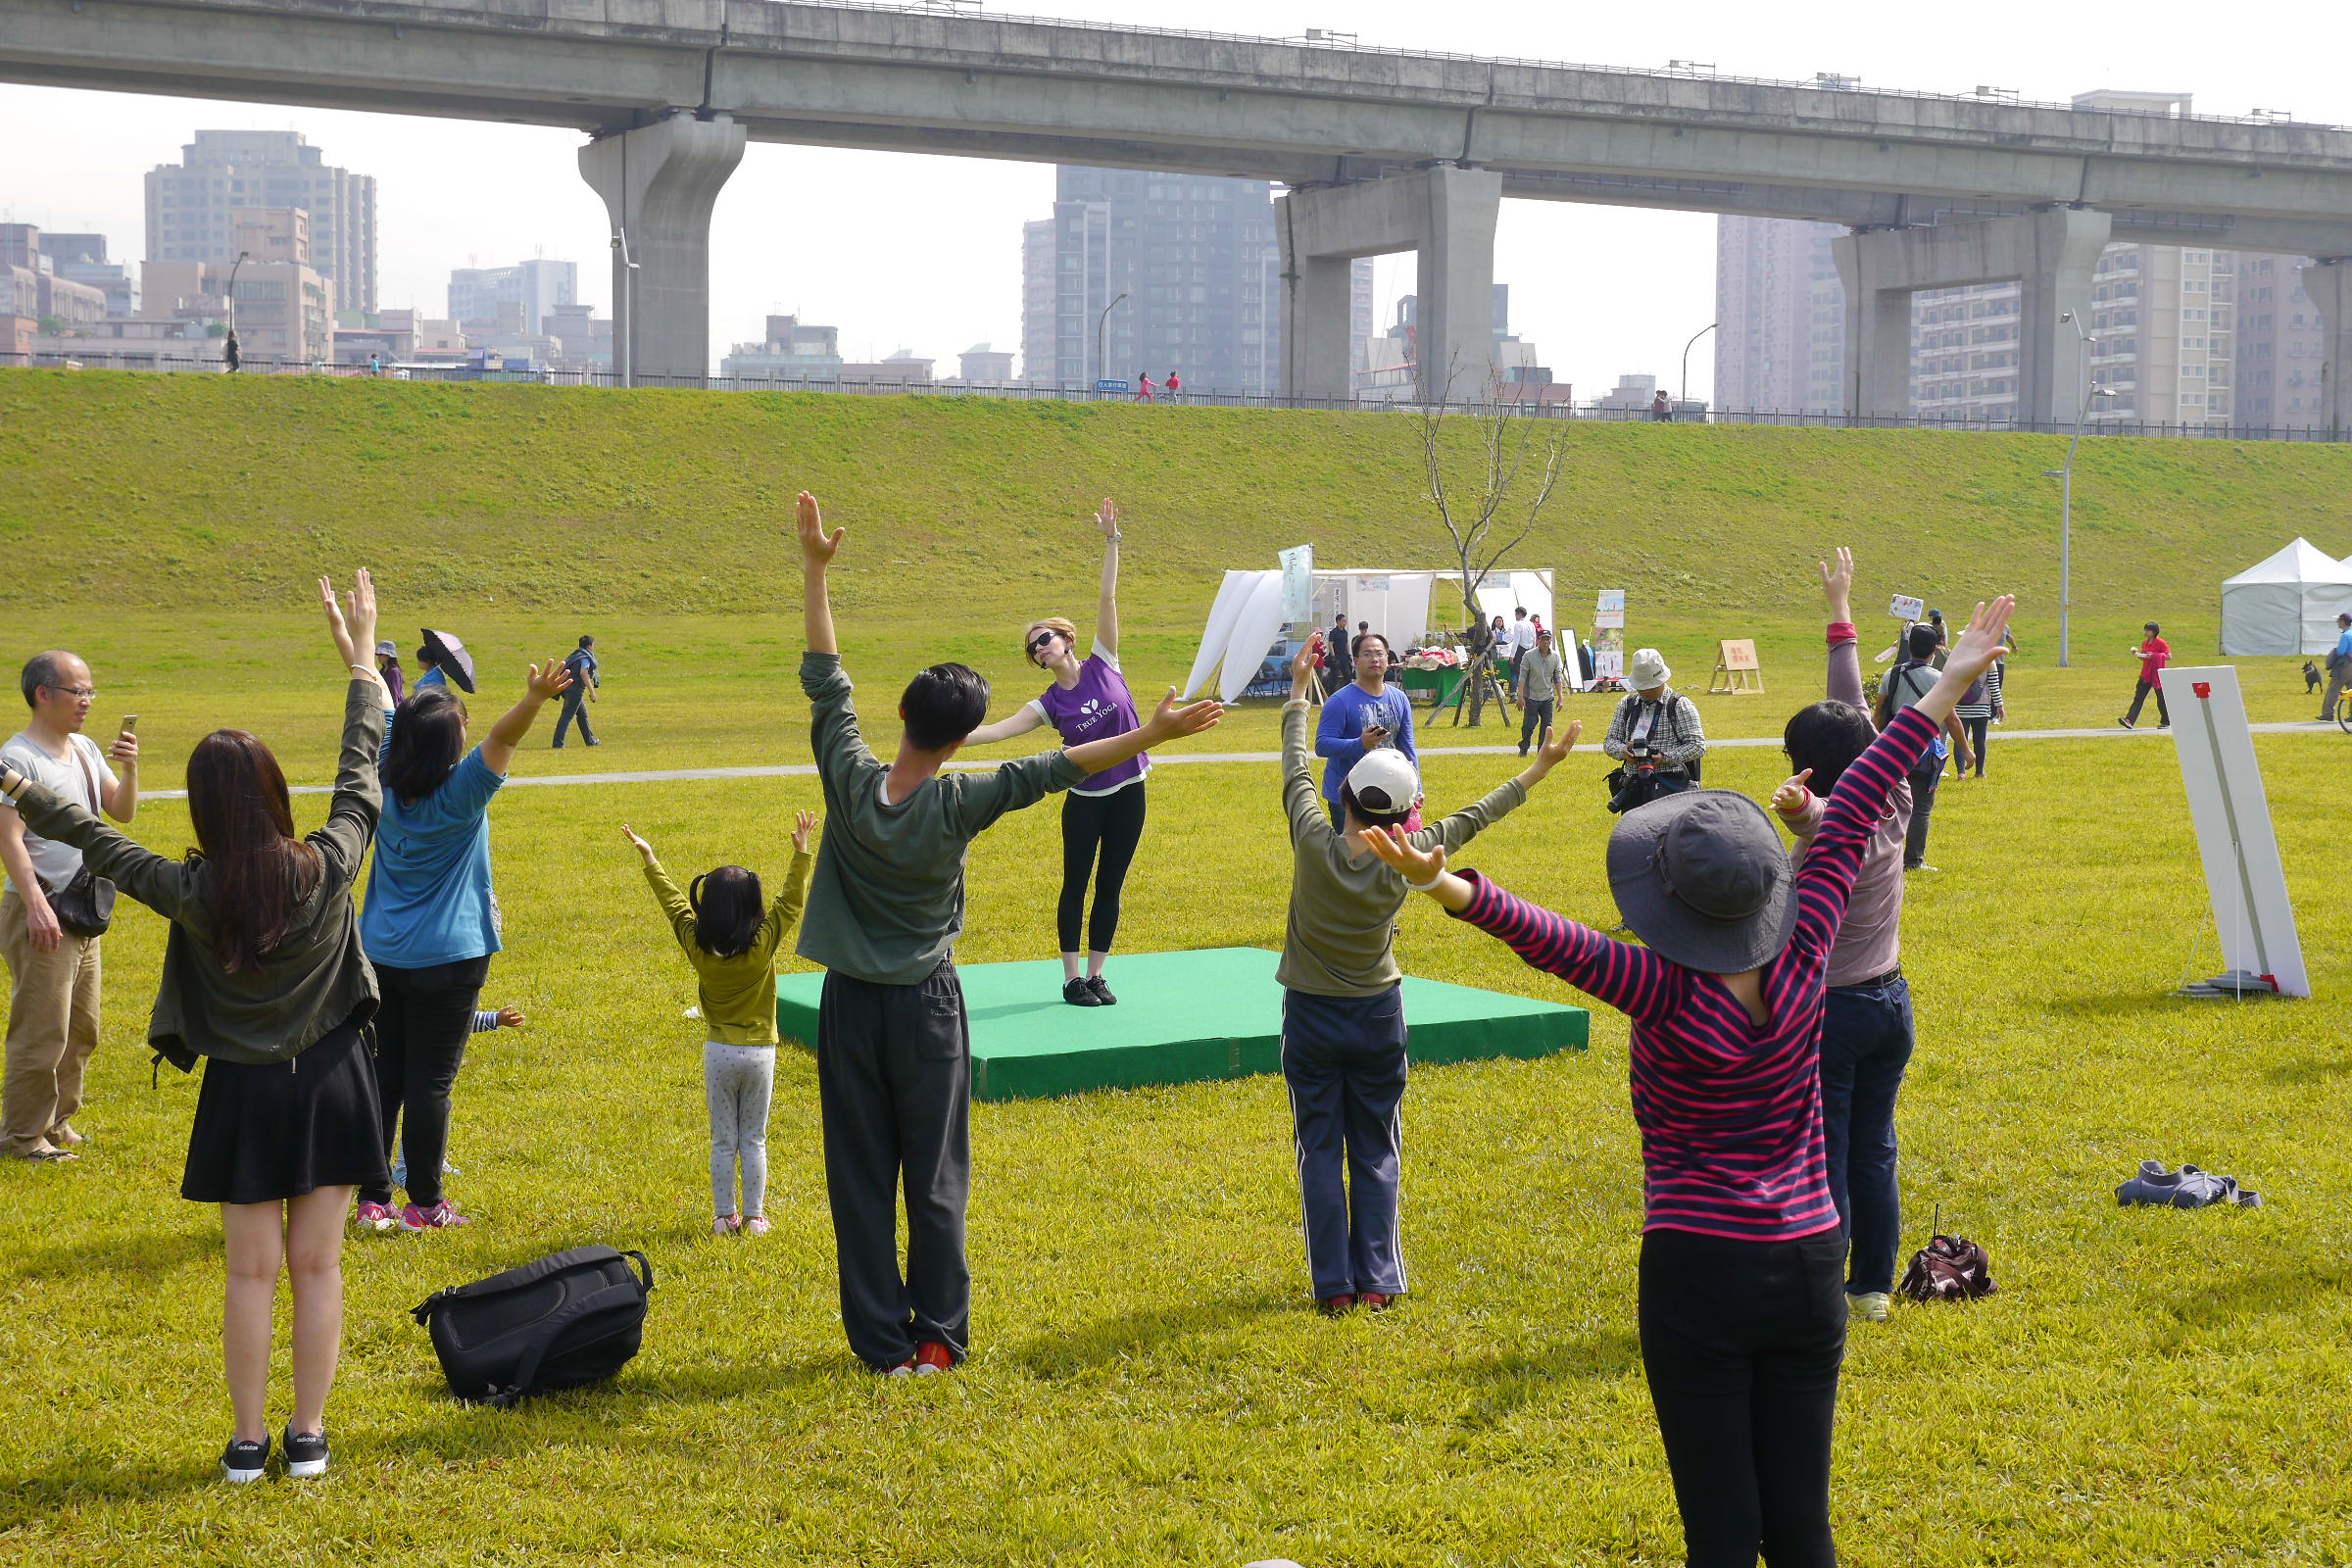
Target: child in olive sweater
{"points": [[731, 942]]}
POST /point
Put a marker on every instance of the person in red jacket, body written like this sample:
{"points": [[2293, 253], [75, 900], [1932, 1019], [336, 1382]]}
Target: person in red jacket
{"points": [[2153, 653]]}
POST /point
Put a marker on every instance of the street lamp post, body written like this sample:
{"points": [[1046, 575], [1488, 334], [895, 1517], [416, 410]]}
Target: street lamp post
{"points": [[624, 314], [230, 297], [1101, 323], [2066, 482], [1694, 337]]}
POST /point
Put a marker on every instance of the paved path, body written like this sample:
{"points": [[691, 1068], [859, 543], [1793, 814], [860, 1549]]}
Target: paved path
{"points": [[669, 775]]}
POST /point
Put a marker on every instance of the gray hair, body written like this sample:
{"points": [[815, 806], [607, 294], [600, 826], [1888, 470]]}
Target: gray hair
{"points": [[43, 669]]}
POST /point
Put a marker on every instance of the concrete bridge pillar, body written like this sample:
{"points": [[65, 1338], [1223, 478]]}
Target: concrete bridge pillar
{"points": [[2328, 283], [2052, 254], [659, 182], [1447, 216]]}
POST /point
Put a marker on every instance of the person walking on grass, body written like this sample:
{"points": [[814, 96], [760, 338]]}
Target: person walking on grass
{"points": [[230, 354], [1980, 707], [1866, 1033], [1542, 676], [1911, 679], [1143, 387], [1741, 1321], [2153, 653], [581, 662], [731, 938], [2339, 667], [1343, 1003], [1363, 717], [53, 973], [885, 907], [431, 925], [1102, 814], [387, 665], [263, 978]]}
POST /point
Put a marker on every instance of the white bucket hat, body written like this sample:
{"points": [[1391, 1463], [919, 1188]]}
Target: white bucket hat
{"points": [[1650, 670], [1384, 780]]}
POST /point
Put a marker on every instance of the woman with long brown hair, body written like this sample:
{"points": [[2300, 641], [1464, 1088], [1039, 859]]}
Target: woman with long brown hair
{"points": [[264, 979]]}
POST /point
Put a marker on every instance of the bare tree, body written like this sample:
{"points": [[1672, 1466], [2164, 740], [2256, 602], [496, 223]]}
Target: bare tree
{"points": [[1489, 511]]}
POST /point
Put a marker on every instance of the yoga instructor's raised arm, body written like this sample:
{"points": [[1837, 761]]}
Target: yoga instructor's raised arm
{"points": [[1020, 721], [1107, 609], [818, 550]]}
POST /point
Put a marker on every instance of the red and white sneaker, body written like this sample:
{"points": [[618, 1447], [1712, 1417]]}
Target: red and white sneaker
{"points": [[932, 1358], [726, 1224], [376, 1217], [755, 1225], [441, 1217]]}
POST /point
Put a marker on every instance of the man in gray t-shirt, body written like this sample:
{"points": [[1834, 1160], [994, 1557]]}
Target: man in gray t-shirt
{"points": [[53, 973], [885, 907]]}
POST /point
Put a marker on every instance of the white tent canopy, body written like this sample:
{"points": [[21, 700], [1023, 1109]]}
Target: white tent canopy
{"points": [[1245, 621], [2286, 605]]}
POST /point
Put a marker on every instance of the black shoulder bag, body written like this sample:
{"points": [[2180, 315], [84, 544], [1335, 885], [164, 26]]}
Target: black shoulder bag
{"points": [[85, 905]]}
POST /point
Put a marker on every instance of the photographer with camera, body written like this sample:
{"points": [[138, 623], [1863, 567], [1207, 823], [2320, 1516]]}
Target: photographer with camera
{"points": [[1654, 735]]}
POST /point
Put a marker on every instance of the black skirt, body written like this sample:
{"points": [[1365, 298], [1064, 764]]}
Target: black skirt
{"points": [[266, 1133]]}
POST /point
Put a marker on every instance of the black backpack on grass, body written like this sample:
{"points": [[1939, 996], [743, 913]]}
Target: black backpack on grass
{"points": [[566, 1319]]}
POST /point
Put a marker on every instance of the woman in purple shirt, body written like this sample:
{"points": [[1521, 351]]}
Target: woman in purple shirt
{"points": [[1102, 817]]}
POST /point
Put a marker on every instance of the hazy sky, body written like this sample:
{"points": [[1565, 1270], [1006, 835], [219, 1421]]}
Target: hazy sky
{"points": [[904, 251]]}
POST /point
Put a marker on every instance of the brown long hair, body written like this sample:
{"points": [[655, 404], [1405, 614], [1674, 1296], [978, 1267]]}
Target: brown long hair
{"points": [[245, 832]]}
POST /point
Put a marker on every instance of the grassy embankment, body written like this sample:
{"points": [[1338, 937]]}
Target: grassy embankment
{"points": [[2148, 1387]]}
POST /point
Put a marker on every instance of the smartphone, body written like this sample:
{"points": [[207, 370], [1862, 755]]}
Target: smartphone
{"points": [[130, 724]]}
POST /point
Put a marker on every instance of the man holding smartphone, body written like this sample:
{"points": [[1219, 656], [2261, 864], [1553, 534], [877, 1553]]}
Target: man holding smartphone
{"points": [[53, 973], [1363, 716]]}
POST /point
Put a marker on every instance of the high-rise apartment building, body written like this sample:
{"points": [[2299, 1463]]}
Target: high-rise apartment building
{"points": [[1195, 260], [2281, 348], [192, 205], [534, 288], [1780, 347]]}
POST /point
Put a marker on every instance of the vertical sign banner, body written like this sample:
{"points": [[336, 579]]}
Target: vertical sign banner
{"points": [[2242, 870], [1608, 634], [1299, 583]]}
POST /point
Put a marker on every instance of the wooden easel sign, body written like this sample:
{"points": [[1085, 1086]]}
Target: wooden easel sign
{"points": [[1736, 669]]}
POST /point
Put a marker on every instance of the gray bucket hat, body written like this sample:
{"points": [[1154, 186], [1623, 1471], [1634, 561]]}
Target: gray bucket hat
{"points": [[1650, 670], [1703, 880]]}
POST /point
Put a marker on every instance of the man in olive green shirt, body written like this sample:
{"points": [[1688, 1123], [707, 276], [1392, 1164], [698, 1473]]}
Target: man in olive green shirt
{"points": [[1343, 1009], [885, 907]]}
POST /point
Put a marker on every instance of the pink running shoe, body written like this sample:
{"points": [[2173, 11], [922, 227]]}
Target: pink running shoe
{"points": [[441, 1217], [373, 1217], [726, 1225], [755, 1225]]}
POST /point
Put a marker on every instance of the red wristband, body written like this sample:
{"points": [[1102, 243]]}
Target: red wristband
{"points": [[1842, 631]]}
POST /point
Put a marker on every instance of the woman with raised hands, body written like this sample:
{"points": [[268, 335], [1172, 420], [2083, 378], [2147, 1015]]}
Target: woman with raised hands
{"points": [[264, 979], [1740, 1298], [431, 925], [1102, 817]]}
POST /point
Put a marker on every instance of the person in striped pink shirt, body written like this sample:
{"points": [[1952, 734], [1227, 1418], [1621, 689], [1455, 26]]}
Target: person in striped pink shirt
{"points": [[1740, 1298]]}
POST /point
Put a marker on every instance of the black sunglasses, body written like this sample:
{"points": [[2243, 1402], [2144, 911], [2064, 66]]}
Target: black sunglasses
{"points": [[1041, 639]]}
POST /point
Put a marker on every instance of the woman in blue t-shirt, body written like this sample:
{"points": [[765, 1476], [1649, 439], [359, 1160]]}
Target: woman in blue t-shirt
{"points": [[1102, 817], [431, 923]]}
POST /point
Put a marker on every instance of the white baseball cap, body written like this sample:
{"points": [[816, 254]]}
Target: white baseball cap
{"points": [[1384, 781]]}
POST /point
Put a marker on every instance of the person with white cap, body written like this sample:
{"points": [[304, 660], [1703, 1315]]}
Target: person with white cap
{"points": [[387, 667], [1656, 733], [1741, 1306], [1343, 1011]]}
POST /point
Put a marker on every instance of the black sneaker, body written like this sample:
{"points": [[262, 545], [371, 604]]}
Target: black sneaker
{"points": [[1094, 983], [242, 1462], [1079, 995], [304, 1454]]}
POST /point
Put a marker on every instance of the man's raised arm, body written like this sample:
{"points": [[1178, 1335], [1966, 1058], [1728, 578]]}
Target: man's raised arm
{"points": [[816, 554]]}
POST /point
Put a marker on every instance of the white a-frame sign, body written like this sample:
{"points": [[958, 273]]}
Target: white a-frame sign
{"points": [[2242, 870]]}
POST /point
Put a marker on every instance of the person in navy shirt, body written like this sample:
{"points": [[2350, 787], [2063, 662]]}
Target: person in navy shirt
{"points": [[1363, 715], [2339, 667], [1102, 817]]}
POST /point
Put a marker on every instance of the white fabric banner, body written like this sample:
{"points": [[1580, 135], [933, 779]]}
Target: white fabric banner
{"points": [[1232, 594]]}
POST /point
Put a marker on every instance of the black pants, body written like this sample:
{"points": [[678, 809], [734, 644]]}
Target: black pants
{"points": [[575, 710], [1979, 729], [1534, 718], [894, 1079], [1925, 774], [421, 1032], [2139, 698], [1103, 826], [1742, 1342]]}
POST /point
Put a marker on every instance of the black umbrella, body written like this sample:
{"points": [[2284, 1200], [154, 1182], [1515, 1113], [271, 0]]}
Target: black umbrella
{"points": [[444, 650]]}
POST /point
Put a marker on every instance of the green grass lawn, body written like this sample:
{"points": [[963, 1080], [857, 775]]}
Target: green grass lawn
{"points": [[1147, 1383]]}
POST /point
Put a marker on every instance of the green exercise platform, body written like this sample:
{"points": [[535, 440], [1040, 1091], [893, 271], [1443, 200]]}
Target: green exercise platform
{"points": [[1186, 1016]]}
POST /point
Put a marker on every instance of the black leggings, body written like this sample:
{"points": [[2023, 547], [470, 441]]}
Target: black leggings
{"points": [[420, 1030], [1111, 824], [1978, 730], [1742, 1342]]}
